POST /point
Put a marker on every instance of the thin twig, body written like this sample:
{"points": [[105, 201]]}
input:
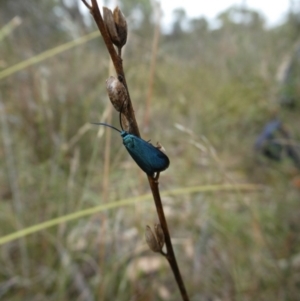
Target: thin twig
{"points": [[170, 255], [153, 182], [116, 59]]}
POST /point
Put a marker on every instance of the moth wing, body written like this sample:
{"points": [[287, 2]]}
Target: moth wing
{"points": [[148, 158]]}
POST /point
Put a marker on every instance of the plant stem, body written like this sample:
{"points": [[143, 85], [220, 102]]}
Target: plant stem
{"points": [[116, 59], [170, 252], [153, 182]]}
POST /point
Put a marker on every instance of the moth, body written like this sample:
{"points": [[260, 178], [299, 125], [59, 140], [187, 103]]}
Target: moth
{"points": [[148, 157]]}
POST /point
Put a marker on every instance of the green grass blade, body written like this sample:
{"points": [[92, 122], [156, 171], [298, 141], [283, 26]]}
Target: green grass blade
{"points": [[125, 202], [47, 54]]}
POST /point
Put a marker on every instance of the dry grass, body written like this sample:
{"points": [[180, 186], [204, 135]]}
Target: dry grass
{"points": [[207, 108]]}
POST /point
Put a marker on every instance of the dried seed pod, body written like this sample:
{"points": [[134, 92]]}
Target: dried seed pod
{"points": [[117, 93], [151, 240], [159, 235], [110, 24], [121, 26], [116, 26]]}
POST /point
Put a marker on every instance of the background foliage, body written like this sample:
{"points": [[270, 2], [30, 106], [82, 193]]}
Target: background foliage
{"points": [[213, 92]]}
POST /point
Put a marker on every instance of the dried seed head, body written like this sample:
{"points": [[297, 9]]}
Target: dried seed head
{"points": [[121, 26], [110, 24], [151, 240], [117, 93], [159, 235], [116, 26]]}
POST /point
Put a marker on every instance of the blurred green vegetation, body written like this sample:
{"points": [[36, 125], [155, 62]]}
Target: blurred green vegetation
{"points": [[214, 90]]}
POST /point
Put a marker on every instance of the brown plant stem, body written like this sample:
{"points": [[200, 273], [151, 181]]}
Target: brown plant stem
{"points": [[116, 59], [170, 255], [105, 194], [153, 181]]}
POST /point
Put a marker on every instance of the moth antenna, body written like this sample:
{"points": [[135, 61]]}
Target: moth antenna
{"points": [[108, 125]]}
